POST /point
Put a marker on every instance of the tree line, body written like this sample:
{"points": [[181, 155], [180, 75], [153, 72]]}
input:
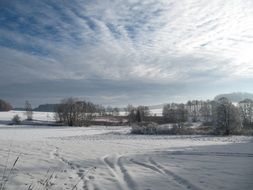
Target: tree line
{"points": [[5, 106], [75, 112], [222, 114]]}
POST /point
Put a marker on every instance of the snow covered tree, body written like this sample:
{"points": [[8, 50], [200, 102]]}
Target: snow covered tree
{"points": [[109, 110], [168, 113], [246, 112], [116, 111], [143, 111], [226, 116], [206, 111], [28, 110], [137, 114], [175, 113]]}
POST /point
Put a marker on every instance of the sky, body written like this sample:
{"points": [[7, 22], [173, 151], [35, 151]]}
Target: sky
{"points": [[119, 52]]}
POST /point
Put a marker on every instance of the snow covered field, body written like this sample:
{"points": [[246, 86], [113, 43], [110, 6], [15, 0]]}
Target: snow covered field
{"points": [[43, 116], [110, 158]]}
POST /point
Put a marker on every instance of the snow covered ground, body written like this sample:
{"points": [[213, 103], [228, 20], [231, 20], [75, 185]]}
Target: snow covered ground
{"points": [[5, 117], [156, 111], [110, 158]]}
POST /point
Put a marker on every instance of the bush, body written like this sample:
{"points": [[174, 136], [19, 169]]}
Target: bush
{"points": [[207, 123], [243, 131], [146, 128], [150, 128], [16, 120]]}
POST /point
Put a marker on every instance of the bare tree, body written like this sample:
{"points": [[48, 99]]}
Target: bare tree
{"points": [[100, 110], [137, 114], [195, 110], [65, 112], [227, 117], [28, 110], [144, 112], [115, 111], [206, 111], [109, 110], [175, 113], [181, 113], [168, 113], [129, 112], [246, 112], [73, 112], [88, 111]]}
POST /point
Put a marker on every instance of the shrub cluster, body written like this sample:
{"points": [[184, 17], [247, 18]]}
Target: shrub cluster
{"points": [[150, 128], [16, 120]]}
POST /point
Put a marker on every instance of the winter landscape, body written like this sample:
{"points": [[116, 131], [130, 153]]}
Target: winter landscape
{"points": [[110, 157], [126, 95]]}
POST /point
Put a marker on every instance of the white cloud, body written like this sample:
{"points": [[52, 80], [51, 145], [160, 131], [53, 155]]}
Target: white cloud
{"points": [[162, 42]]}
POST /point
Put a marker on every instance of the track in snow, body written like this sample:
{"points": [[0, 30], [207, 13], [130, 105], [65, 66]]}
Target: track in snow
{"points": [[156, 167], [115, 164], [80, 173]]}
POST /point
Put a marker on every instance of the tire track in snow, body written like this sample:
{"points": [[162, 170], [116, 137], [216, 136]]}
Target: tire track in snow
{"points": [[117, 169], [147, 166], [130, 182], [154, 166], [177, 178], [114, 173]]}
